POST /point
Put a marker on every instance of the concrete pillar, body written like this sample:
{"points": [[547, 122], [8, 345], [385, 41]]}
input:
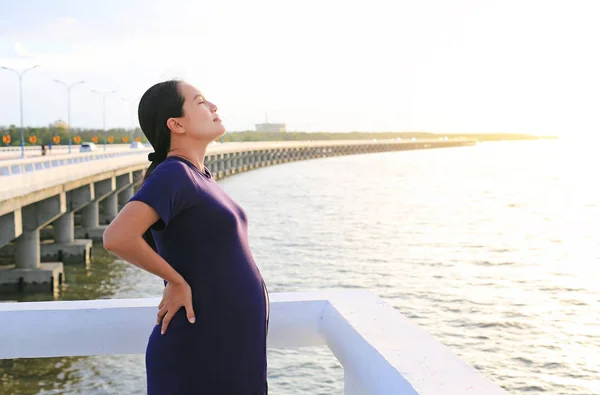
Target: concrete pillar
{"points": [[65, 247], [90, 228], [29, 274], [110, 204], [125, 195], [27, 253], [232, 163], [228, 163], [89, 215], [63, 229]]}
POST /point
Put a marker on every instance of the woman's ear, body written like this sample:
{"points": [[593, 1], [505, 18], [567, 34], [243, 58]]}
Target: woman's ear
{"points": [[175, 126]]}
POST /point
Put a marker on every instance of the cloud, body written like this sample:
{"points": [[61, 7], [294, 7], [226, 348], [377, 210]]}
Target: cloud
{"points": [[22, 51]]}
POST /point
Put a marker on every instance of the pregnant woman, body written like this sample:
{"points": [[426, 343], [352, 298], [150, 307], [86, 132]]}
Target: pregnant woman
{"points": [[212, 322]]}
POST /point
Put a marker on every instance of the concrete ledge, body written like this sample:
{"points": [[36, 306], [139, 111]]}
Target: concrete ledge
{"points": [[94, 234], [48, 277], [79, 251]]}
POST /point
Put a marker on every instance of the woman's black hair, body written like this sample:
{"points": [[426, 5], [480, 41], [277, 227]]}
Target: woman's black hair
{"points": [[161, 102]]}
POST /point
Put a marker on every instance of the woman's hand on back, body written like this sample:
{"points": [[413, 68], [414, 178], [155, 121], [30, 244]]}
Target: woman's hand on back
{"points": [[175, 296]]}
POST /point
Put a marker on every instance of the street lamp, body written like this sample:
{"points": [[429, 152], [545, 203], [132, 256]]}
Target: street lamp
{"points": [[104, 94], [131, 103], [69, 105], [21, 100]]}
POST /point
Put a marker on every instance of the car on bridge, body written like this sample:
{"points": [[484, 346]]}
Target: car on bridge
{"points": [[87, 147]]}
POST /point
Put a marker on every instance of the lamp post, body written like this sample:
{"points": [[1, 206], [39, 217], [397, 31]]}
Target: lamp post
{"points": [[69, 106], [21, 101], [104, 94]]}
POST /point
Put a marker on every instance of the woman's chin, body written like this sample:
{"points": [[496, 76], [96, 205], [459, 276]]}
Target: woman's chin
{"points": [[221, 130]]}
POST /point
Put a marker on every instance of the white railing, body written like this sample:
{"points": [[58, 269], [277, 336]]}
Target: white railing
{"points": [[22, 166], [60, 147], [382, 352]]}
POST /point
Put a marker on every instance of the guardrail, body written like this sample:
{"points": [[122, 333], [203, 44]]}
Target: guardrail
{"points": [[60, 147], [21, 166]]}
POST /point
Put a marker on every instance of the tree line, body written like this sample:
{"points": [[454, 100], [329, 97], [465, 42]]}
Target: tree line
{"points": [[11, 135], [51, 134]]}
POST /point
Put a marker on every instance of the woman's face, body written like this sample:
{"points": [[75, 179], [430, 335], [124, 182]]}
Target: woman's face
{"points": [[200, 120]]}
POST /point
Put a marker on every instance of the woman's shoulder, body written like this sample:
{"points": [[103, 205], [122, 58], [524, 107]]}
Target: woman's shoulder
{"points": [[172, 172], [172, 167]]}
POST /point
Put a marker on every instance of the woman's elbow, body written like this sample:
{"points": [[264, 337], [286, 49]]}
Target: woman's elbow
{"points": [[110, 240]]}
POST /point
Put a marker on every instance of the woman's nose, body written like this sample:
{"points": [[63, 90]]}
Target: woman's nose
{"points": [[213, 107]]}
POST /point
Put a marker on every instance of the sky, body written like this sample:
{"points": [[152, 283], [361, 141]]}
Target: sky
{"points": [[317, 65]]}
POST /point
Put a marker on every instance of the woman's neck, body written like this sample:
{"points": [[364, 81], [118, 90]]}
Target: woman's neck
{"points": [[195, 157]]}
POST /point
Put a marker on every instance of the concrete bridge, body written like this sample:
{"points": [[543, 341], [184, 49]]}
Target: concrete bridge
{"points": [[50, 192]]}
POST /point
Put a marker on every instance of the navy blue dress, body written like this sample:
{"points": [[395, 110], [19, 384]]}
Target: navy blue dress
{"points": [[203, 234]]}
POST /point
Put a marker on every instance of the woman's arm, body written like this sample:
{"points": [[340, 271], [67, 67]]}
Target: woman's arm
{"points": [[123, 237]]}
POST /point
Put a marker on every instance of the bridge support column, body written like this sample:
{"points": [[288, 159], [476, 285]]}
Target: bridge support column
{"points": [[263, 158], [90, 228], [228, 167], [64, 229], [251, 161], [212, 164], [27, 252], [28, 273], [110, 206], [125, 196], [220, 166], [65, 247], [244, 162], [236, 162], [89, 215]]}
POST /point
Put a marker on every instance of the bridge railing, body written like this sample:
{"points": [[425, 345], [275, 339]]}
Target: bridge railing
{"points": [[59, 147], [381, 351], [21, 166]]}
